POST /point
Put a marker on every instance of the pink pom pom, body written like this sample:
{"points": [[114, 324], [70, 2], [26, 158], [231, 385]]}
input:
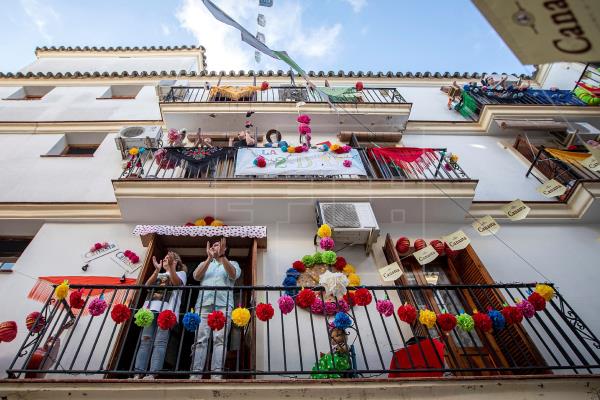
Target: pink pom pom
{"points": [[346, 148], [327, 243], [304, 129], [527, 309], [97, 307], [347, 163], [286, 304], [303, 119], [385, 307], [330, 307], [317, 307], [343, 305]]}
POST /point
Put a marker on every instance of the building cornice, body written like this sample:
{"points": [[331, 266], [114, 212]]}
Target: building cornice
{"points": [[60, 211], [70, 126]]}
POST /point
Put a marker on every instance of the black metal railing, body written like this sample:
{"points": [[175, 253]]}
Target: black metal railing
{"points": [[282, 94], [168, 163], [554, 340]]}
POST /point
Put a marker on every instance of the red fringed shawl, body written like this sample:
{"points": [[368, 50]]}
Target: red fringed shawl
{"points": [[399, 154]]}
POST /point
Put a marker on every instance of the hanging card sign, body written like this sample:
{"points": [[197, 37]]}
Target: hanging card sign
{"points": [[92, 255], [591, 163], [265, 3], [426, 255], [486, 226], [125, 263], [391, 272], [261, 20], [516, 210], [552, 188], [457, 240]]}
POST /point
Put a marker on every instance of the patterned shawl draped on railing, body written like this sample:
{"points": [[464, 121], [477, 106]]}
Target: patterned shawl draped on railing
{"points": [[197, 158]]}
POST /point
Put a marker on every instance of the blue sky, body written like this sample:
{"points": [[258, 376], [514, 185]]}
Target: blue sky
{"points": [[396, 35]]}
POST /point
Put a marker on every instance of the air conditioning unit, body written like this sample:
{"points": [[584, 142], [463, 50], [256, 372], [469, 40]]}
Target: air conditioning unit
{"points": [[581, 130], [139, 136], [351, 223]]}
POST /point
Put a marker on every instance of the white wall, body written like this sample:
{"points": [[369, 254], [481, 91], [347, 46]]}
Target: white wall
{"points": [[429, 104], [79, 103], [111, 64], [563, 75]]}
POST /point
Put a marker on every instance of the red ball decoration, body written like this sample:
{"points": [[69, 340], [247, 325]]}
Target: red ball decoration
{"points": [[8, 331], [362, 297], [446, 321], [216, 320], [261, 162], [120, 313], [449, 252], [420, 244], [403, 245], [438, 246], [97, 246], [340, 263], [483, 322], [306, 298], [359, 86], [264, 85], [512, 315], [166, 320], [31, 319], [407, 313], [299, 266], [349, 298], [264, 311], [76, 299], [538, 302], [209, 220]]}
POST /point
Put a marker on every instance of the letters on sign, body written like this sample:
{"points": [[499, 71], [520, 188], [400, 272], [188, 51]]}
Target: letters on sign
{"points": [[552, 188], [457, 240], [390, 272], [591, 163], [426, 255], [486, 226], [516, 210]]}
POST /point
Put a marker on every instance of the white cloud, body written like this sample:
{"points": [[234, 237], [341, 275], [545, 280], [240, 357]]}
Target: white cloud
{"points": [[357, 5], [165, 29], [41, 15], [286, 29]]}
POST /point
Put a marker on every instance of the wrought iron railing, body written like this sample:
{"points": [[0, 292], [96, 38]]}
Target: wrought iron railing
{"points": [[553, 340], [167, 163], [282, 94]]}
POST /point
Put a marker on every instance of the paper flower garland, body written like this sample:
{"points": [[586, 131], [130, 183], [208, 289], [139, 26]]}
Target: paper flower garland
{"points": [[349, 269], [407, 313], [385, 307], [446, 321], [97, 306], [240, 317], [120, 313], [98, 246], [465, 322], [547, 292], [62, 290], [328, 257], [342, 321], [286, 304], [166, 320], [498, 321], [340, 263], [8, 331], [334, 283], [206, 221], [303, 119], [191, 321], [512, 315], [324, 231], [537, 301], [349, 299], [343, 305], [327, 243], [317, 307], [75, 299], [216, 320], [359, 86], [304, 128], [353, 279], [308, 260], [143, 318], [299, 266], [483, 322], [30, 322], [264, 311], [362, 297], [264, 86], [526, 309], [306, 298], [427, 318], [131, 256]]}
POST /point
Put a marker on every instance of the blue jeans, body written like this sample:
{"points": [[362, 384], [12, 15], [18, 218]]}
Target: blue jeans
{"points": [[146, 347]]}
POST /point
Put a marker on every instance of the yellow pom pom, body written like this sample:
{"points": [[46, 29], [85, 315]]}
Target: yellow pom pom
{"points": [[200, 222], [324, 231], [240, 316], [547, 292], [62, 290], [453, 158], [217, 222], [349, 269], [353, 279], [427, 318], [291, 149], [133, 151], [334, 147]]}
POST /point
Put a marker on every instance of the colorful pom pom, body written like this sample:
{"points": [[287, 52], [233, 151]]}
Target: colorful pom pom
{"points": [[385, 307], [306, 298], [340, 263], [526, 308], [299, 266], [407, 313], [343, 305], [327, 243], [538, 302], [498, 321], [329, 257], [330, 307], [217, 222], [317, 258], [427, 318], [286, 304], [200, 222], [465, 322], [62, 290], [347, 163], [362, 297], [303, 119], [292, 272], [216, 320], [191, 321], [264, 85], [240, 317], [166, 320], [317, 306], [547, 292], [483, 322], [97, 306], [446, 321], [120, 313], [359, 86], [512, 315], [264, 311], [144, 318], [30, 322], [342, 321], [260, 162], [76, 299], [324, 231], [353, 280], [308, 260], [304, 129], [349, 269]]}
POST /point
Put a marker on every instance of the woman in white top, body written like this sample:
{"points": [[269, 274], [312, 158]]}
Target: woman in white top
{"points": [[175, 274]]}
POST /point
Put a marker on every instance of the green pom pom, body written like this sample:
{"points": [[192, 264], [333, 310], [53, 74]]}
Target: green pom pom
{"points": [[329, 257], [318, 258], [144, 317], [465, 322], [308, 260]]}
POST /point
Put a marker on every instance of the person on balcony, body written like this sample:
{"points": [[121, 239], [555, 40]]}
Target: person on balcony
{"points": [[169, 272], [216, 270]]}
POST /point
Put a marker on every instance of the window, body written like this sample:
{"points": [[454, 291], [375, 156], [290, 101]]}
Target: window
{"points": [[76, 145], [30, 93], [11, 249], [121, 92]]}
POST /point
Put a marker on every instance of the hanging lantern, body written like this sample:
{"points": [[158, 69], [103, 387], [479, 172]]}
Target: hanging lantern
{"points": [[31, 319], [420, 244], [438, 246], [403, 245], [8, 331]]}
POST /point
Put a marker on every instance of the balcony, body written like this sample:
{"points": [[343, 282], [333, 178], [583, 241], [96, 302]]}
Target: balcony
{"points": [[553, 341], [381, 109]]}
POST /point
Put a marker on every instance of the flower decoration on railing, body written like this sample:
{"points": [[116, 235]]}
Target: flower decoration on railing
{"points": [[465, 322], [385, 307], [120, 313], [324, 233], [144, 318], [240, 317], [175, 137], [35, 322], [62, 290], [304, 129], [76, 299], [191, 321], [216, 320], [407, 313], [131, 256], [97, 306], [264, 311], [206, 221], [359, 86], [166, 320]]}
